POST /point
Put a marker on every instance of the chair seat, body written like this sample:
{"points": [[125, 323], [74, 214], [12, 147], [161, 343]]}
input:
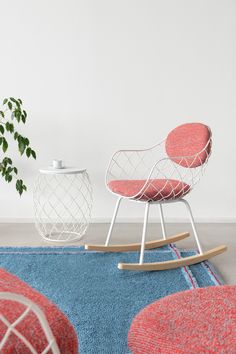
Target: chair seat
{"points": [[155, 190], [195, 321]]}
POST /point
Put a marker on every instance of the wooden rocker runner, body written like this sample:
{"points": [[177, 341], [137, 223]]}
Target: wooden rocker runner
{"points": [[160, 175]]}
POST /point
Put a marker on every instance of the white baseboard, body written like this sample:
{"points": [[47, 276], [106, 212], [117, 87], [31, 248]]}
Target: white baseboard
{"points": [[170, 220], [204, 220]]}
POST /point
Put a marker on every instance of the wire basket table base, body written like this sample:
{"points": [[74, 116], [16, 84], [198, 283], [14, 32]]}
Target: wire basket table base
{"points": [[62, 204]]}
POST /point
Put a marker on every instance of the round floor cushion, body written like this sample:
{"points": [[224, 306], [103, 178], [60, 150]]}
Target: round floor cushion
{"points": [[30, 327], [194, 321]]}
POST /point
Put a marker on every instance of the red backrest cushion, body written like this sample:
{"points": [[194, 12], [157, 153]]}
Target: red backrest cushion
{"points": [[187, 140]]}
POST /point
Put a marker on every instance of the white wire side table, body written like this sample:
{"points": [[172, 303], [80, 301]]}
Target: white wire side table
{"points": [[62, 203]]}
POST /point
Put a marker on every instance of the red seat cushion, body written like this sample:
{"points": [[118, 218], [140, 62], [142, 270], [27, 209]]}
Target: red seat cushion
{"points": [[187, 140], [156, 189], [61, 327], [195, 321]]}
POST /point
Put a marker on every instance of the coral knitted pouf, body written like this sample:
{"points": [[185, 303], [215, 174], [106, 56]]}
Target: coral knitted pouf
{"points": [[194, 321], [61, 327]]}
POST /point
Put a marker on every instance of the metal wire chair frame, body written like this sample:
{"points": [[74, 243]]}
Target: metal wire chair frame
{"points": [[138, 196], [30, 306], [194, 172]]}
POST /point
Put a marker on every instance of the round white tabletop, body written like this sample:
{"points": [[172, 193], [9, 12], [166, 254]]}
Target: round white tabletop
{"points": [[63, 170]]}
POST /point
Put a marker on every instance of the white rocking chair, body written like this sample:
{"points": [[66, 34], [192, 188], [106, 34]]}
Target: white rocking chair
{"points": [[162, 174]]}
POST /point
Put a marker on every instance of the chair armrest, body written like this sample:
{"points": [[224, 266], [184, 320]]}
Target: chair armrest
{"points": [[165, 180], [167, 169], [133, 164]]}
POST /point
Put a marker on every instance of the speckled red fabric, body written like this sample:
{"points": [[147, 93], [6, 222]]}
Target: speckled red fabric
{"points": [[156, 189], [61, 327], [187, 140], [199, 321]]}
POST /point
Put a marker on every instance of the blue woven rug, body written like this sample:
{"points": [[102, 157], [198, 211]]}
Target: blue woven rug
{"points": [[99, 299]]}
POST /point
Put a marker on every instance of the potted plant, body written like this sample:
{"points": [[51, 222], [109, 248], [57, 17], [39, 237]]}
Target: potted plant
{"points": [[12, 113]]}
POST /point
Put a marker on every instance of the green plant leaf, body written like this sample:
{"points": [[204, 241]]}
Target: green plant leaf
{"points": [[5, 100], [33, 153], [28, 151], [20, 187], [21, 147], [17, 114], [9, 170], [2, 130], [19, 100], [15, 170], [16, 135], [2, 114], [4, 145], [9, 105], [7, 126], [7, 160], [13, 99]]}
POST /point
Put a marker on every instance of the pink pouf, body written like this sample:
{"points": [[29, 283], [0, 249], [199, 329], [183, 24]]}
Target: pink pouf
{"points": [[194, 321], [61, 327]]}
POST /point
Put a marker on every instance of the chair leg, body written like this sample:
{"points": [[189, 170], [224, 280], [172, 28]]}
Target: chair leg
{"points": [[134, 246], [163, 227], [193, 225], [144, 233], [174, 263], [113, 221]]}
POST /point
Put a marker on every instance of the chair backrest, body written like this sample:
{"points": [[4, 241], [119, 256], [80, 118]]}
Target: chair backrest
{"points": [[11, 328], [189, 145]]}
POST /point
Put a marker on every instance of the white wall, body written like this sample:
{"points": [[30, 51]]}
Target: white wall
{"points": [[96, 76]]}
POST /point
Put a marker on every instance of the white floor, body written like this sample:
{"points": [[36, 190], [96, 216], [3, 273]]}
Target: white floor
{"points": [[211, 235]]}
